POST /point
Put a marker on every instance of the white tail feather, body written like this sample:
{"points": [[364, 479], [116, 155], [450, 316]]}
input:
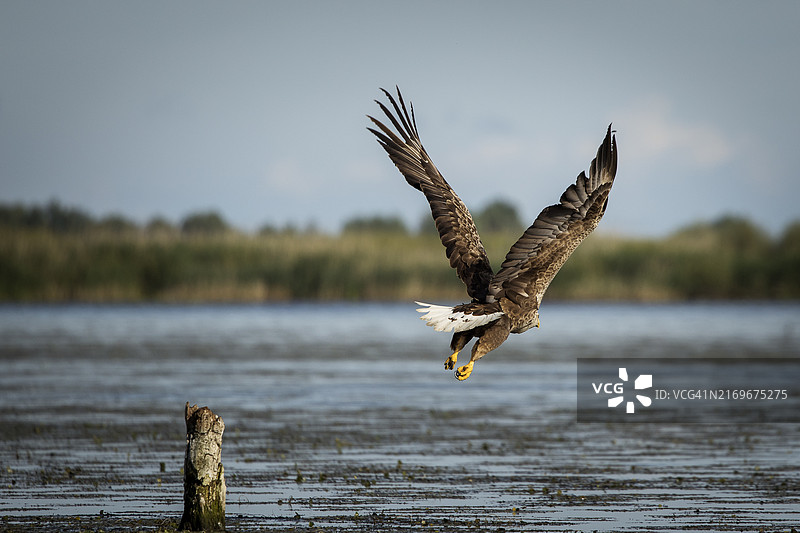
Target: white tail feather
{"points": [[443, 318]]}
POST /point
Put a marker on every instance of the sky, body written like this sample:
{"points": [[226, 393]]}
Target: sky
{"points": [[258, 109]]}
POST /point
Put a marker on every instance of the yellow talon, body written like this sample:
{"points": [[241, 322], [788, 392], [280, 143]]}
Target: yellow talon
{"points": [[463, 372], [450, 362]]}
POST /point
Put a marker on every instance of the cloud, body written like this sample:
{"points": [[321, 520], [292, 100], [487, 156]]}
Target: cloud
{"points": [[653, 131], [287, 175]]}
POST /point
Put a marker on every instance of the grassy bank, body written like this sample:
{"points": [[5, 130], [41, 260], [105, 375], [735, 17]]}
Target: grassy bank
{"points": [[42, 266], [728, 259]]}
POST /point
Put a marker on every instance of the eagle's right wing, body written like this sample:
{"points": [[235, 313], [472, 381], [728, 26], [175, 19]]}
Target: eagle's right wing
{"points": [[453, 220], [545, 246]]}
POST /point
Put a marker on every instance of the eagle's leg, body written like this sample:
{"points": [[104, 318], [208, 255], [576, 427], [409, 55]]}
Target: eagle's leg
{"points": [[460, 340], [463, 372], [492, 337]]}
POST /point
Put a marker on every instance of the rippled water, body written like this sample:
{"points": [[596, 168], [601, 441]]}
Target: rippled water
{"points": [[339, 412]]}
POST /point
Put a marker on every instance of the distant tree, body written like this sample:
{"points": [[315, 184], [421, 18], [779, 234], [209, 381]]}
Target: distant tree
{"points": [[311, 228], [731, 232], [376, 224], [290, 228], [498, 216], [740, 234], [159, 225], [208, 223], [427, 226], [14, 216], [267, 230], [786, 262], [53, 217], [35, 217], [790, 240], [66, 220], [117, 224]]}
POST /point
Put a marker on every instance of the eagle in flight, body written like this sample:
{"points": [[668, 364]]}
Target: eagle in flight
{"points": [[507, 301]]}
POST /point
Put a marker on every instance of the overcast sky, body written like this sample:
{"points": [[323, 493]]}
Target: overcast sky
{"points": [[257, 109]]}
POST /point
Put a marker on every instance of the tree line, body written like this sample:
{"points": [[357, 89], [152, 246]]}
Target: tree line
{"points": [[54, 253], [498, 215], [62, 220]]}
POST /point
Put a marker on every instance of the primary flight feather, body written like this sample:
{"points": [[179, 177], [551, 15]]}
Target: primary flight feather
{"points": [[507, 301]]}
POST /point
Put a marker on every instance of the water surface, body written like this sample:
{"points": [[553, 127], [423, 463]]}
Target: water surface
{"points": [[341, 415]]}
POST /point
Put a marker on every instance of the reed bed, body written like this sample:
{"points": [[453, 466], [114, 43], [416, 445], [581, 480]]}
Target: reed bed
{"points": [[706, 261]]}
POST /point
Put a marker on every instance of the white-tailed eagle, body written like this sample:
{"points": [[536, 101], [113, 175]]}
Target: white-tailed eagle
{"points": [[507, 301]]}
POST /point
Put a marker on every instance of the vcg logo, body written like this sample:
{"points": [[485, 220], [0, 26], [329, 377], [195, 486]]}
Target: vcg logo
{"points": [[644, 381]]}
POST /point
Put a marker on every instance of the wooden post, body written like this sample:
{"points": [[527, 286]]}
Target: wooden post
{"points": [[203, 474]]}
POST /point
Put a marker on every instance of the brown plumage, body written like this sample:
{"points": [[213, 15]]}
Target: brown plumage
{"points": [[508, 301]]}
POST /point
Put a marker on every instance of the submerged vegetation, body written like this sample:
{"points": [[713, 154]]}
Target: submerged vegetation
{"points": [[55, 254]]}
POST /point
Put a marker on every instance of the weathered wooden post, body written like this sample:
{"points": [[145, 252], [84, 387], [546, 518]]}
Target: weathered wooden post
{"points": [[203, 474]]}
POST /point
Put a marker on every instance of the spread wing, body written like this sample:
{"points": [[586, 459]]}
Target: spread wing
{"points": [[453, 220], [537, 256]]}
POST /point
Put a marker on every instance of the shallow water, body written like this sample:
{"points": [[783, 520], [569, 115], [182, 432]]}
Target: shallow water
{"points": [[341, 417]]}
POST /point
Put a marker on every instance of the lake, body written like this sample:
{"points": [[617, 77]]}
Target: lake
{"points": [[342, 417]]}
